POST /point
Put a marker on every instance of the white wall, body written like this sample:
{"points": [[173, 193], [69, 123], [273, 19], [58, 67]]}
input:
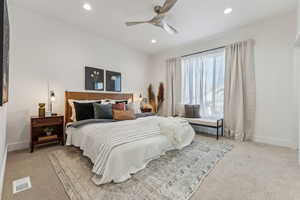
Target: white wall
{"points": [[298, 25], [297, 69], [276, 118], [44, 49], [298, 17], [3, 152], [297, 89]]}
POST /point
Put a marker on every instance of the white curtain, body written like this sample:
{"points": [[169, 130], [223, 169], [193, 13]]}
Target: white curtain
{"points": [[203, 82], [240, 90], [173, 89]]}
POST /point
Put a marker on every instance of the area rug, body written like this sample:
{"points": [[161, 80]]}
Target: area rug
{"points": [[174, 176]]}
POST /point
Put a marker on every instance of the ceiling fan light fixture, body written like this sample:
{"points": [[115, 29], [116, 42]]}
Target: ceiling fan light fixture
{"points": [[159, 19], [153, 41], [228, 11], [87, 6]]}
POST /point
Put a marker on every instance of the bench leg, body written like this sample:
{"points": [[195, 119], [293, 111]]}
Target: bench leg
{"points": [[223, 128], [217, 130]]}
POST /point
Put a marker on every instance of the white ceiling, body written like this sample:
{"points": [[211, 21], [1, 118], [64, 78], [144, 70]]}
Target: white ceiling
{"points": [[194, 19]]}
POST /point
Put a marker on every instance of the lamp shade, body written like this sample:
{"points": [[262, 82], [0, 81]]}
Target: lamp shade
{"points": [[52, 96]]}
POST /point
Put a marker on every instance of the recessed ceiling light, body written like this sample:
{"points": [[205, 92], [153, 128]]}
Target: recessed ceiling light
{"points": [[87, 6], [153, 41], [227, 11]]}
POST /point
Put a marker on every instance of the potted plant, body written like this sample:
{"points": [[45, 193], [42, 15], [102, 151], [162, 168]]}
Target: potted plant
{"points": [[48, 130]]}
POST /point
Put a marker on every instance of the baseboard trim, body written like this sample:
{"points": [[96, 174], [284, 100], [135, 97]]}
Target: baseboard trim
{"points": [[276, 142], [2, 173], [17, 146]]}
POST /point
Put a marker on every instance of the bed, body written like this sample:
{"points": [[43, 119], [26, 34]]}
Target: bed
{"points": [[120, 149]]}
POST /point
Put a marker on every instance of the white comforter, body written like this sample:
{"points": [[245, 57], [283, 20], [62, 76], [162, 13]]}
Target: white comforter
{"points": [[122, 148]]}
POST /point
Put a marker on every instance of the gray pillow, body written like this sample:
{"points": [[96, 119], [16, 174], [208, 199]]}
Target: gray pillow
{"points": [[196, 109], [103, 111], [192, 111]]}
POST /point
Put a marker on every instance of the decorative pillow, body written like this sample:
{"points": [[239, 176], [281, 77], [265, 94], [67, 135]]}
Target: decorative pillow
{"points": [[192, 111], [102, 111], [107, 101], [112, 101], [196, 111], [71, 103], [134, 107], [122, 101], [84, 111], [119, 106], [188, 110], [123, 115]]}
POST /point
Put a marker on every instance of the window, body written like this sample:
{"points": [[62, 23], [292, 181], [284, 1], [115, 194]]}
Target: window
{"points": [[203, 82]]}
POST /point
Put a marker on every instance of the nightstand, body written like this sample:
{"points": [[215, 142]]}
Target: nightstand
{"points": [[146, 110], [38, 135]]}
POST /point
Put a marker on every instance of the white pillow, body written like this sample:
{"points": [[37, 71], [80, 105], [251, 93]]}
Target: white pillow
{"points": [[71, 103], [112, 101], [108, 101], [134, 107]]}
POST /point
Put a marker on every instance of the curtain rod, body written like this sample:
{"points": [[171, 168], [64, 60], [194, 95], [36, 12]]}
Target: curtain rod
{"points": [[202, 51]]}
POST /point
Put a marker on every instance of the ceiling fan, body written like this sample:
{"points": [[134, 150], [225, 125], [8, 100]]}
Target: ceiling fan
{"points": [[159, 19]]}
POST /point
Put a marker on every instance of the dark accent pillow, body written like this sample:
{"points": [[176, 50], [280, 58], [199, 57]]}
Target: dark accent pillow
{"points": [[103, 111], [84, 111], [192, 111]]}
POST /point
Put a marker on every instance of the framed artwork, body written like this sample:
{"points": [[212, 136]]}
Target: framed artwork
{"points": [[94, 79], [113, 81], [4, 53]]}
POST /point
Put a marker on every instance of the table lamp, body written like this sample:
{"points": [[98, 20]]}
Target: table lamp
{"points": [[52, 100]]}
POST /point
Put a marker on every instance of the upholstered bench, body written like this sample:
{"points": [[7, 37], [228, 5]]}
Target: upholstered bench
{"points": [[211, 123]]}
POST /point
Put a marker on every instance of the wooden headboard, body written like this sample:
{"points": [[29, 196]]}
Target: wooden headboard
{"points": [[91, 96]]}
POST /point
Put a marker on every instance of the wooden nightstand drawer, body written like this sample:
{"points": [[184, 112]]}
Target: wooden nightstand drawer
{"points": [[47, 121]]}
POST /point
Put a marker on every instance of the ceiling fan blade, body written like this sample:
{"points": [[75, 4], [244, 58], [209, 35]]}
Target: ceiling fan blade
{"points": [[135, 23], [171, 30], [157, 19], [169, 4]]}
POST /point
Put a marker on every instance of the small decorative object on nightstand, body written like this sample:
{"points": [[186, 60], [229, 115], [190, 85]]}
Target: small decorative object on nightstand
{"points": [[45, 130], [145, 110], [42, 109]]}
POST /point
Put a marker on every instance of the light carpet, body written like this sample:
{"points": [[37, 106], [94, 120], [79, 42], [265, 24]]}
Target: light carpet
{"points": [[175, 175]]}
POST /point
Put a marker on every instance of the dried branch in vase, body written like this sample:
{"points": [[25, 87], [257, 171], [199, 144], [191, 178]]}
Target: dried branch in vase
{"points": [[152, 99]]}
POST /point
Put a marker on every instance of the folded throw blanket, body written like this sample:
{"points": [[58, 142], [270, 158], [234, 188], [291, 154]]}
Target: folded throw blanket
{"points": [[112, 136], [88, 121]]}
